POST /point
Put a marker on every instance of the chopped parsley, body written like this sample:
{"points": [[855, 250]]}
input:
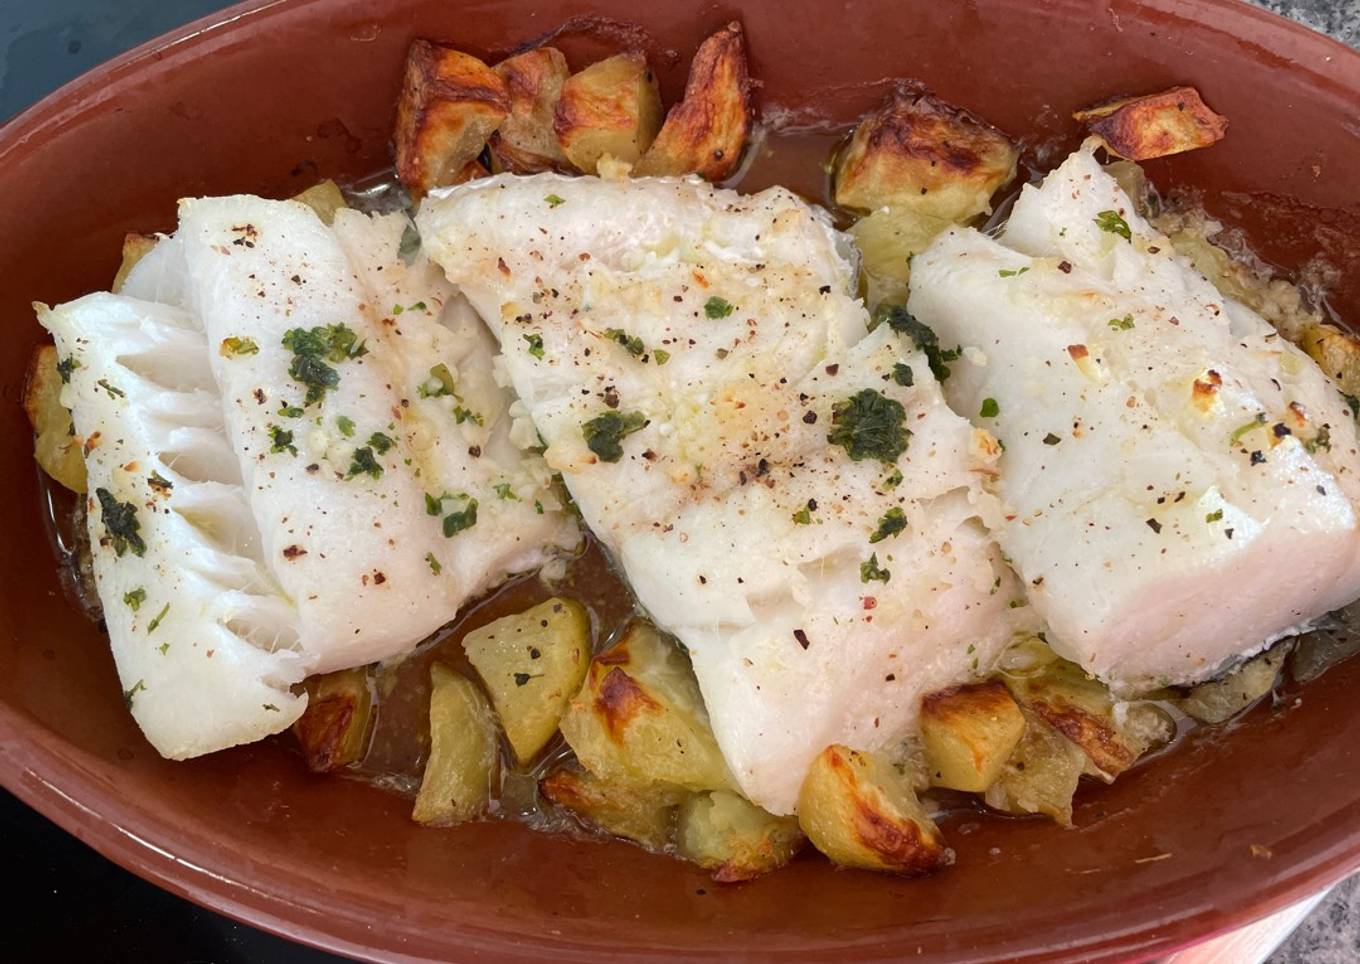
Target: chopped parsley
{"points": [[990, 409], [131, 694], [65, 367], [1214, 516], [1322, 440], [1051, 439], [1112, 223], [363, 463], [465, 518], [434, 565], [869, 425], [291, 411], [554, 200], [281, 440], [803, 516], [312, 348], [871, 571], [346, 426], [133, 600], [461, 415], [716, 307], [632, 343], [902, 375], [113, 390], [155, 623], [504, 491], [893, 480], [435, 506], [604, 434], [409, 244], [439, 384], [1007, 273], [1121, 324], [120, 522], [892, 523], [238, 346], [662, 356], [901, 321], [1242, 430], [1353, 404], [380, 442], [535, 344], [160, 483]]}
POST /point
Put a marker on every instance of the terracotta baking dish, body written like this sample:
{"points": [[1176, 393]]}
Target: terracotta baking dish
{"points": [[267, 97]]}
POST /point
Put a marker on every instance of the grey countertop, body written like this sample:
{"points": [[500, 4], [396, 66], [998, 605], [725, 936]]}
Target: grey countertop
{"points": [[46, 42]]}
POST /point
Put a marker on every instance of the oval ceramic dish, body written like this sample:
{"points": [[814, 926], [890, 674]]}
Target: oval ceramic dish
{"points": [[266, 98]]}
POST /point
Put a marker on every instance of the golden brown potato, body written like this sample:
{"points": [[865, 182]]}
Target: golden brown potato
{"points": [[640, 718], [612, 107], [968, 733], [859, 811], [55, 445], [333, 730], [727, 834], [532, 664], [462, 763], [643, 814], [1337, 353], [525, 142], [887, 238], [917, 153], [705, 133], [1222, 699], [324, 198], [135, 248], [450, 103], [1154, 125], [1041, 776]]}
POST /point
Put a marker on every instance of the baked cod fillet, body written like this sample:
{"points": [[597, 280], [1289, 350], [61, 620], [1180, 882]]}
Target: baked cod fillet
{"points": [[274, 469], [1180, 481], [786, 492]]}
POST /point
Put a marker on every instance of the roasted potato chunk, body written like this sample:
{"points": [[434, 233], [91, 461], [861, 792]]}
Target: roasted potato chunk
{"points": [[727, 834], [705, 133], [135, 248], [643, 814], [887, 239], [55, 446], [968, 732], [919, 154], [324, 198], [333, 730], [1082, 710], [1222, 699], [462, 763], [1041, 775], [525, 142], [640, 718], [1337, 353], [532, 664], [859, 811], [1154, 125], [612, 107], [450, 103]]}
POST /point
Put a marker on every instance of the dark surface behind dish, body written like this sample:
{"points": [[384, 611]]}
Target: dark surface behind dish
{"points": [[76, 902]]}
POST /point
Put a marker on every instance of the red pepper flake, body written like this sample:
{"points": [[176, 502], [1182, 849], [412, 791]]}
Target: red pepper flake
{"points": [[801, 636], [379, 578], [1065, 267], [504, 268], [870, 602], [832, 369]]}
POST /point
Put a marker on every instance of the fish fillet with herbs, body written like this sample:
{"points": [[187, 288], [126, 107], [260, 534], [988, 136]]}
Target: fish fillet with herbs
{"points": [[297, 462], [785, 490], [1181, 482]]}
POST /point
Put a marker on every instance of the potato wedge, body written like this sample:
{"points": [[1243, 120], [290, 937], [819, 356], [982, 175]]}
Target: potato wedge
{"points": [[55, 445], [135, 248], [1222, 699], [887, 238], [640, 718], [643, 814], [450, 103], [918, 153], [1154, 125], [612, 107], [1041, 775], [859, 811], [532, 664], [333, 730], [525, 142], [968, 732], [324, 198], [1337, 353], [456, 784], [706, 132], [727, 834]]}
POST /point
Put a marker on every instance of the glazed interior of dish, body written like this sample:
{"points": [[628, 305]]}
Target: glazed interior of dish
{"points": [[1017, 728]]}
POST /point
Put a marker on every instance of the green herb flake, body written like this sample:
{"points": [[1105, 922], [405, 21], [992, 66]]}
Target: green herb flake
{"points": [[363, 463], [893, 522], [281, 440], [433, 563], [604, 434], [538, 507], [291, 411], [893, 480], [869, 425], [312, 348], [235, 347], [716, 307], [130, 695], [1051, 439], [164, 648], [409, 245], [461, 415], [503, 491], [631, 343], [1246, 427], [1121, 324], [535, 344], [120, 522], [871, 571], [465, 518], [380, 442], [990, 408], [439, 384], [346, 426], [1353, 404], [155, 623], [1007, 273], [1214, 516], [902, 375], [554, 200], [1112, 223], [133, 600], [113, 390], [904, 323], [65, 367], [418, 306], [1322, 440], [803, 516]]}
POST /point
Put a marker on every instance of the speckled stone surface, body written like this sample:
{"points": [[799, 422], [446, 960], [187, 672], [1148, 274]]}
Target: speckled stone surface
{"points": [[1331, 934]]}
